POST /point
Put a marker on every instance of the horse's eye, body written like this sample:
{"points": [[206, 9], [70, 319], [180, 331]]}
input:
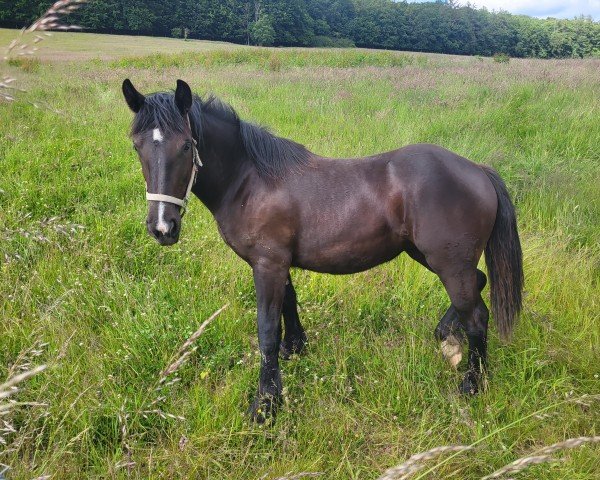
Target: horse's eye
{"points": [[186, 147]]}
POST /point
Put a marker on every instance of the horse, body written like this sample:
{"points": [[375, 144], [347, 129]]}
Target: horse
{"points": [[278, 206]]}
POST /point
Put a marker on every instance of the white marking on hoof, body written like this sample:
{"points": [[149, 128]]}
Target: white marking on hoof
{"points": [[157, 135], [162, 226], [452, 351]]}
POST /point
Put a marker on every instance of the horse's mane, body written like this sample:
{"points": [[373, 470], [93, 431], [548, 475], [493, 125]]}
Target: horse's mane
{"points": [[271, 155]]}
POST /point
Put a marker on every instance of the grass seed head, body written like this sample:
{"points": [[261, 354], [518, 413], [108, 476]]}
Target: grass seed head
{"points": [[543, 455], [417, 461]]}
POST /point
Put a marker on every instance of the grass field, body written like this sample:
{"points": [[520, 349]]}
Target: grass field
{"points": [[66, 47], [86, 291]]}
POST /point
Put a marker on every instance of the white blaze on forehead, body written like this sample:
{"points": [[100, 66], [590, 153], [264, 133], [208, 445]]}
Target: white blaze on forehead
{"points": [[157, 135], [162, 226]]}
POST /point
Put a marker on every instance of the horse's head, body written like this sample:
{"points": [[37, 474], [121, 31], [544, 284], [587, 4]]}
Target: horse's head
{"points": [[163, 139]]}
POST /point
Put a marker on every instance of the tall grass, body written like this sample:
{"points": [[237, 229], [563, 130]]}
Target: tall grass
{"points": [[265, 58], [79, 273]]}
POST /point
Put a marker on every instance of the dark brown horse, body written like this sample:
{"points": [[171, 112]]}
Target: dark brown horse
{"points": [[278, 206]]}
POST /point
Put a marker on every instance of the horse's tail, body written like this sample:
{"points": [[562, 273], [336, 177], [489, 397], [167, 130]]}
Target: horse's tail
{"points": [[504, 260]]}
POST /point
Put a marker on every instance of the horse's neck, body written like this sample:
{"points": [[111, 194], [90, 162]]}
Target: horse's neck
{"points": [[224, 162]]}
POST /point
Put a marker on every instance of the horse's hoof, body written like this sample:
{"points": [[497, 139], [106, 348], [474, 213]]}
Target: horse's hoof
{"points": [[451, 349], [263, 408], [293, 347], [468, 386]]}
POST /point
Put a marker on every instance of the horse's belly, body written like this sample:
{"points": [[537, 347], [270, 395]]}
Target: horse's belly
{"points": [[348, 255]]}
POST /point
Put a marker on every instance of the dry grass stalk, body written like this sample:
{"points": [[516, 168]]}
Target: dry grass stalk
{"points": [[570, 443], [25, 358], [5, 87], [51, 20], [21, 370], [151, 406], [417, 462], [300, 475], [22, 46], [9, 387], [184, 351], [585, 399], [541, 456], [518, 465]]}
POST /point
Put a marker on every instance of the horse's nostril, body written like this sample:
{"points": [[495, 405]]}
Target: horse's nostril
{"points": [[173, 229], [154, 232]]}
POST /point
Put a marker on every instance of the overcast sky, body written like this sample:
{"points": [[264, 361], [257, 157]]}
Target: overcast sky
{"points": [[540, 8], [543, 8]]}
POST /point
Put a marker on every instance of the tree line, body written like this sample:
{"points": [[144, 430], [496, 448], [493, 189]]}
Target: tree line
{"points": [[442, 26]]}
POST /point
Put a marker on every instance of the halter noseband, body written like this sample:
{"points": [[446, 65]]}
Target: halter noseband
{"points": [[196, 164]]}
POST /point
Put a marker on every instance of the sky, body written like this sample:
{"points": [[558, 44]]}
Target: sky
{"points": [[540, 8], [543, 8]]}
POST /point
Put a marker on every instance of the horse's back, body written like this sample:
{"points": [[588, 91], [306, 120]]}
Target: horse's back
{"points": [[432, 174], [353, 214]]}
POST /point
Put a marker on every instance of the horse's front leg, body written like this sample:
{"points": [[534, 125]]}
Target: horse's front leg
{"points": [[269, 281], [294, 340]]}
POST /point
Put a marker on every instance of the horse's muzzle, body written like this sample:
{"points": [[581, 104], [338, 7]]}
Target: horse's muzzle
{"points": [[165, 234]]}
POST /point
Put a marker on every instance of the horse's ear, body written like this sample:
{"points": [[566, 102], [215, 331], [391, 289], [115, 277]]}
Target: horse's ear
{"points": [[183, 97], [134, 99]]}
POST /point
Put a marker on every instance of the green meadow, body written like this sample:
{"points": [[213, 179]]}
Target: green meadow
{"points": [[85, 291]]}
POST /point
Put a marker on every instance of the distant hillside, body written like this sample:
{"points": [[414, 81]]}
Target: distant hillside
{"points": [[442, 27]]}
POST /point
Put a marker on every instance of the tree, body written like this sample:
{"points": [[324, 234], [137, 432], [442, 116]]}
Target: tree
{"points": [[441, 26], [262, 32]]}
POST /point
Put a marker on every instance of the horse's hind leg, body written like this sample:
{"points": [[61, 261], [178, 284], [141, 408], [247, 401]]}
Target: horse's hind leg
{"points": [[450, 332], [463, 289], [294, 340], [450, 324]]}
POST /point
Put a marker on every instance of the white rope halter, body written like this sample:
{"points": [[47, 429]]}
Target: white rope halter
{"points": [[181, 202]]}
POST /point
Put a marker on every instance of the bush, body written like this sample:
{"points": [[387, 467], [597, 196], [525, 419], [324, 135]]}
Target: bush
{"points": [[177, 32], [501, 58]]}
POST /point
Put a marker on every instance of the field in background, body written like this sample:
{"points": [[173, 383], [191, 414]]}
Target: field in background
{"points": [[66, 46], [105, 307]]}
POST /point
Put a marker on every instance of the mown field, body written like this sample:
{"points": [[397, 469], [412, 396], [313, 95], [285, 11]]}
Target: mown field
{"points": [[84, 289]]}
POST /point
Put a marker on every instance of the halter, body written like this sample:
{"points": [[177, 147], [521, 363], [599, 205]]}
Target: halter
{"points": [[196, 164]]}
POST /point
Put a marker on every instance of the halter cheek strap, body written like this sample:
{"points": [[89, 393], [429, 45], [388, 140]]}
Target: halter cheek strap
{"points": [[181, 202]]}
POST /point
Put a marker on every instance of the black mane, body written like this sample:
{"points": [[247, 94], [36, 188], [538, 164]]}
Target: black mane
{"points": [[272, 156], [158, 111]]}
